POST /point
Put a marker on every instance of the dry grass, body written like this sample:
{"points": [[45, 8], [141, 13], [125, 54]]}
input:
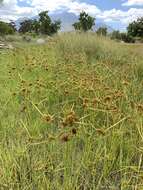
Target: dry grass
{"points": [[71, 116]]}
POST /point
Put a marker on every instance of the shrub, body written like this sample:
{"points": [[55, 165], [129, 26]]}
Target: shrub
{"points": [[102, 31], [135, 29], [122, 36], [6, 28]]}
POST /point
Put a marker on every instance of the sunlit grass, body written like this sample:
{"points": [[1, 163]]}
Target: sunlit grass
{"points": [[71, 115]]}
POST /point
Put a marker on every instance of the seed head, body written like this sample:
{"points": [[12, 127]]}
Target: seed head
{"points": [[125, 82], [48, 118], [100, 131], [65, 137], [140, 107], [107, 99], [70, 119], [74, 131]]}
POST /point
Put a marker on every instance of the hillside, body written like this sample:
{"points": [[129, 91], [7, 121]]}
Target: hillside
{"points": [[71, 115]]}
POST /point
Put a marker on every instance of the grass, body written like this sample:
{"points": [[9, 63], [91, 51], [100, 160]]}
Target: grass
{"points": [[71, 115]]}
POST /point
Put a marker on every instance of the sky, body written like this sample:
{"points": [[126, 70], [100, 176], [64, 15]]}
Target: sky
{"points": [[115, 13]]}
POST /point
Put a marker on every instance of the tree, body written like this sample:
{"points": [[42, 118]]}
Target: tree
{"points": [[122, 36], [85, 23], [102, 31], [43, 25], [135, 29], [6, 28], [55, 26], [126, 38], [116, 35], [36, 26], [13, 25], [26, 26], [46, 25], [76, 26]]}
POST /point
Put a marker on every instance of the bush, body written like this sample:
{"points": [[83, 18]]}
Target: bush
{"points": [[127, 38], [135, 29], [116, 35], [6, 28], [102, 31]]}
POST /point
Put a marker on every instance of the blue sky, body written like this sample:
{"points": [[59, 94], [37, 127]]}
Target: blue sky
{"points": [[116, 13]]}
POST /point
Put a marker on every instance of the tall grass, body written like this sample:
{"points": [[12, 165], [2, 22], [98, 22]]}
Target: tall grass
{"points": [[71, 115]]}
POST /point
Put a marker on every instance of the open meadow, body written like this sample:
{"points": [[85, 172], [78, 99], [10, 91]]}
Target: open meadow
{"points": [[71, 115]]}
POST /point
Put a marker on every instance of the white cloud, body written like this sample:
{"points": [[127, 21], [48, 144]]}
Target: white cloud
{"points": [[10, 9], [76, 8], [73, 6], [125, 17], [50, 5], [133, 2]]}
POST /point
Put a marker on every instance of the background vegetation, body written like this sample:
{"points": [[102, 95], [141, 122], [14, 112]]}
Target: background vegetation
{"points": [[45, 26]]}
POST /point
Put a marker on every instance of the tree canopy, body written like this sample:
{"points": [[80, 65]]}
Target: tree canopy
{"points": [[46, 26], [123, 36], [102, 31], [26, 26], [85, 22], [43, 25], [135, 29]]}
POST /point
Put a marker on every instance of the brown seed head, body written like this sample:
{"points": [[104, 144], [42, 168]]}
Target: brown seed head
{"points": [[48, 118], [74, 131], [100, 131], [107, 99], [70, 119], [140, 107], [65, 137], [125, 82]]}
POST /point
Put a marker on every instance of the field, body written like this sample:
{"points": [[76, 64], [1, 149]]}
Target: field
{"points": [[71, 115]]}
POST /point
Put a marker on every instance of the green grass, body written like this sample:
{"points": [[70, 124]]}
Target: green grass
{"points": [[71, 115]]}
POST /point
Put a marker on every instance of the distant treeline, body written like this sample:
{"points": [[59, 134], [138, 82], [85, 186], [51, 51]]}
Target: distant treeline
{"points": [[44, 25]]}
